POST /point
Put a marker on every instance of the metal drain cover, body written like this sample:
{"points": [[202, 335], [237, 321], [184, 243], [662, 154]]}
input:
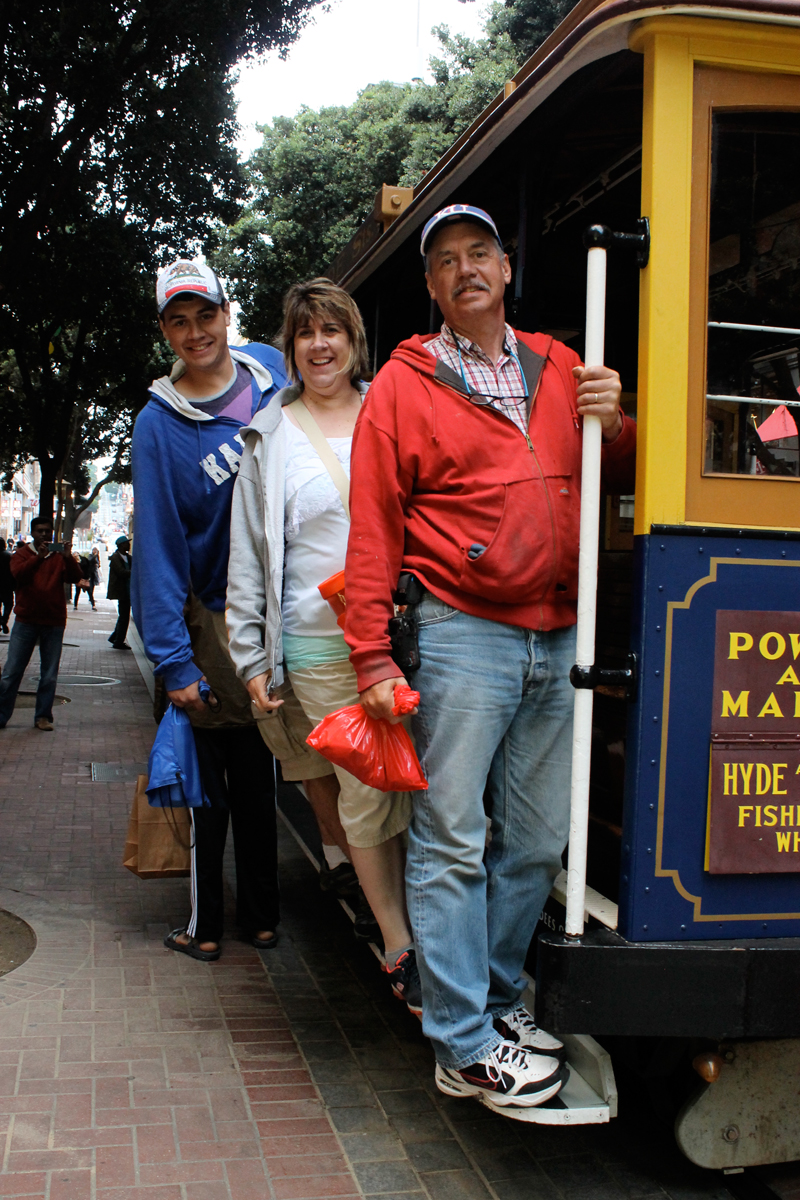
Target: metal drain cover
{"points": [[82, 680], [113, 772]]}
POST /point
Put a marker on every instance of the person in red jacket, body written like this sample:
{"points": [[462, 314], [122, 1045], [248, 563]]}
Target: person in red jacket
{"points": [[466, 468], [40, 612]]}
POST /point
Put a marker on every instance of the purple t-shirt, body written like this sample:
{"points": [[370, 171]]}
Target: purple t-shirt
{"points": [[237, 402]]}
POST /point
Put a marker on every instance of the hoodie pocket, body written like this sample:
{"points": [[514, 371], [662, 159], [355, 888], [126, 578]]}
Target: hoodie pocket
{"points": [[522, 560]]}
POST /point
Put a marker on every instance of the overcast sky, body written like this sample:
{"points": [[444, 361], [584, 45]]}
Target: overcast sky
{"points": [[355, 43]]}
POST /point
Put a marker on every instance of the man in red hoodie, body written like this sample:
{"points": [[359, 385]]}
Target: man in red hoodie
{"points": [[40, 612], [466, 468]]}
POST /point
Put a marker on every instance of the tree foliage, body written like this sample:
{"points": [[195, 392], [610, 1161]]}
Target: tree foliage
{"points": [[313, 180], [116, 151]]}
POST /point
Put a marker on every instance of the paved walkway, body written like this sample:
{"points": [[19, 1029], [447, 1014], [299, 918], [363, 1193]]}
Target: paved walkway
{"points": [[128, 1072]]}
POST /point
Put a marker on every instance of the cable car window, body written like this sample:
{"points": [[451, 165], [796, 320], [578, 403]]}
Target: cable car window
{"points": [[753, 372]]}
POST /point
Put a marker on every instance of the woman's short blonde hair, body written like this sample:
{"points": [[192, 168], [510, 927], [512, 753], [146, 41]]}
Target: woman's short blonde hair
{"points": [[322, 299]]}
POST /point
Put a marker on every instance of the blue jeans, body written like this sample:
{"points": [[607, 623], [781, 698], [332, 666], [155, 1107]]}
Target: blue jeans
{"points": [[496, 707], [20, 649]]}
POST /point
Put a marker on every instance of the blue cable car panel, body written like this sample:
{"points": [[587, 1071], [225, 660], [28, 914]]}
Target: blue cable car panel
{"points": [[666, 890]]}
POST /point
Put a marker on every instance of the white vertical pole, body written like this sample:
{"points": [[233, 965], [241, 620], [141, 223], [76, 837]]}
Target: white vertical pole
{"points": [[587, 601]]}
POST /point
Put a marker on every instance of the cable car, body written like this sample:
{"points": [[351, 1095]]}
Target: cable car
{"points": [[684, 117]]}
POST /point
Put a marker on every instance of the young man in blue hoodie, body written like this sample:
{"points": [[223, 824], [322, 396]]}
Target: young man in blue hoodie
{"points": [[186, 452]]}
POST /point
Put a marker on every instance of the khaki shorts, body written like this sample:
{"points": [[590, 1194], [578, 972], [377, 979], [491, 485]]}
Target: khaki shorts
{"points": [[368, 817], [285, 730]]}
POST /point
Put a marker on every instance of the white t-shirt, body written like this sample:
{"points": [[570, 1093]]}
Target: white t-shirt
{"points": [[316, 531]]}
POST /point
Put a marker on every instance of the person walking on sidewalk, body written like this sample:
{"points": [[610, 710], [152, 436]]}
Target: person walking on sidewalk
{"points": [[120, 566], [6, 586], [90, 569], [186, 453], [40, 573], [466, 468]]}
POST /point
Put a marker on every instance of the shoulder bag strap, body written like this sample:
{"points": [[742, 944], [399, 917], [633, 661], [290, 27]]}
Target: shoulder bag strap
{"points": [[320, 443]]}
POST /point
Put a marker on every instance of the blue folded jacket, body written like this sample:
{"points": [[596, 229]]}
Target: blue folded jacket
{"points": [[173, 770]]}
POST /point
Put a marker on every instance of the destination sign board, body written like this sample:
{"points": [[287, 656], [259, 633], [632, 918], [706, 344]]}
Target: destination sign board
{"points": [[754, 784]]}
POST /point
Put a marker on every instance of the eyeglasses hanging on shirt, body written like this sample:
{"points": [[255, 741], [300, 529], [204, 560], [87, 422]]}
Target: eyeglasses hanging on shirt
{"points": [[478, 397]]}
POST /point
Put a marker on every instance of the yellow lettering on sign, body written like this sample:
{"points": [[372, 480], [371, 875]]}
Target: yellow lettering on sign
{"points": [[763, 779], [758, 814], [777, 777], [741, 642], [780, 645], [747, 771], [744, 813], [787, 815], [796, 842], [784, 840], [794, 638], [771, 814], [789, 676], [771, 708], [737, 707], [797, 708], [731, 779]]}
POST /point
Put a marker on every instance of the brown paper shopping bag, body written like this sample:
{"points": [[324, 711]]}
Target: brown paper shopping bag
{"points": [[158, 841]]}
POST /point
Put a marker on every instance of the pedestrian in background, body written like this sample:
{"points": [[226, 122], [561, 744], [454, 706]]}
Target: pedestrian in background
{"points": [[40, 573], [119, 588], [90, 569], [6, 586]]}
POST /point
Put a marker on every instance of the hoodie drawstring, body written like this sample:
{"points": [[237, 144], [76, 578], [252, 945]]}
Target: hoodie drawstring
{"points": [[432, 395], [206, 485]]}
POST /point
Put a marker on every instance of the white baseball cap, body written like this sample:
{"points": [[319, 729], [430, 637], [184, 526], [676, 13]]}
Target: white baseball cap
{"points": [[451, 216], [187, 278]]}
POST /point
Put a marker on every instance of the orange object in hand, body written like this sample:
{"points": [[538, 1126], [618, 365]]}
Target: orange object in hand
{"points": [[377, 753], [332, 590]]}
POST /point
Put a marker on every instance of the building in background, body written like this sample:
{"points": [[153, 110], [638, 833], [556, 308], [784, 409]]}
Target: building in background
{"points": [[21, 503], [114, 510]]}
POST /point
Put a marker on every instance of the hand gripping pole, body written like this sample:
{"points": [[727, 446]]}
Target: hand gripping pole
{"points": [[597, 239]]}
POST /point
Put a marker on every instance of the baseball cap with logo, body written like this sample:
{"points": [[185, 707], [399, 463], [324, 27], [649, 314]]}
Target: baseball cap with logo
{"points": [[450, 216], [190, 279]]}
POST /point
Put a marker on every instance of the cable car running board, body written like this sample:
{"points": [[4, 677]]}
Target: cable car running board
{"points": [[595, 905], [589, 1097]]}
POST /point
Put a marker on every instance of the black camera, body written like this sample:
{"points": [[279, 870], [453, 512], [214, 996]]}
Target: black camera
{"points": [[403, 632]]}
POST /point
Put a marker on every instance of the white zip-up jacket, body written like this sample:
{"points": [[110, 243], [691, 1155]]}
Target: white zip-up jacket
{"points": [[255, 567]]}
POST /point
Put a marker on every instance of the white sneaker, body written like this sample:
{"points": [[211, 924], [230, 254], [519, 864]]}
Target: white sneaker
{"points": [[519, 1027], [506, 1077]]}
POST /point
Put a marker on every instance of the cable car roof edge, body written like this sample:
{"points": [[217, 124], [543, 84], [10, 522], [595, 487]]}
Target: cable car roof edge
{"points": [[590, 32]]}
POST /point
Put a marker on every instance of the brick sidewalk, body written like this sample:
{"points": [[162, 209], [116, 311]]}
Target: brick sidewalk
{"points": [[129, 1072]]}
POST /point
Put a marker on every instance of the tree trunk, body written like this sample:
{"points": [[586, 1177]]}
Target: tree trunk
{"points": [[47, 487]]}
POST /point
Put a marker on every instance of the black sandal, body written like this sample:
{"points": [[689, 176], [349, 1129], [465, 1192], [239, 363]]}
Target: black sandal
{"points": [[265, 943], [191, 947]]}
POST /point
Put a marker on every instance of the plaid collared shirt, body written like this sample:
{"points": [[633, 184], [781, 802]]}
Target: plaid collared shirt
{"points": [[503, 382]]}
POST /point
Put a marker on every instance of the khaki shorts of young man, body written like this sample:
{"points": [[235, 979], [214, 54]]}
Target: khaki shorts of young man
{"points": [[368, 817]]}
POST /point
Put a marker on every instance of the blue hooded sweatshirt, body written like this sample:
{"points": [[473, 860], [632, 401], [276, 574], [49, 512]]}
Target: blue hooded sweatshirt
{"points": [[184, 467], [173, 772]]}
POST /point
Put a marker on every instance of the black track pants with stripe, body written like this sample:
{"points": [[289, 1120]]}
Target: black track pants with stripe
{"points": [[239, 778]]}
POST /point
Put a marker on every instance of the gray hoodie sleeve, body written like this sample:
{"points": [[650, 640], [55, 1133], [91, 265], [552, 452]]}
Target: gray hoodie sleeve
{"points": [[248, 571]]}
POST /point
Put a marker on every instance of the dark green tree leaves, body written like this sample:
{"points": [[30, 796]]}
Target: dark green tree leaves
{"points": [[314, 179], [116, 151]]}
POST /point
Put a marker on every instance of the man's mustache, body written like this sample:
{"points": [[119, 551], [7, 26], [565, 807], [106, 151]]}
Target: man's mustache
{"points": [[472, 285]]}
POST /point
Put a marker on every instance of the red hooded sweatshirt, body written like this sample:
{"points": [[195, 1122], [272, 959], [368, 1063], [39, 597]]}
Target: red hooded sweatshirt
{"points": [[437, 473], [39, 585]]}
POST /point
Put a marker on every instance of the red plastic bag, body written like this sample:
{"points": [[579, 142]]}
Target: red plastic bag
{"points": [[377, 753]]}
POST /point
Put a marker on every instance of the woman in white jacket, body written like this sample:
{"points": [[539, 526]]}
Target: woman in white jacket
{"points": [[289, 530]]}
